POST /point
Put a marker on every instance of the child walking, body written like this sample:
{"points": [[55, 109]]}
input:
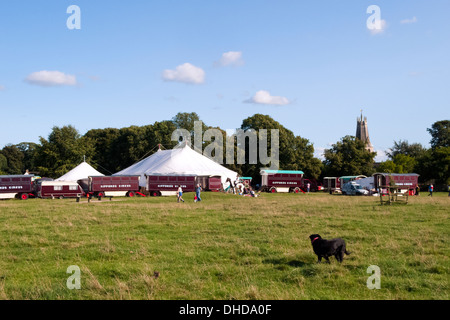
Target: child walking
{"points": [[180, 194]]}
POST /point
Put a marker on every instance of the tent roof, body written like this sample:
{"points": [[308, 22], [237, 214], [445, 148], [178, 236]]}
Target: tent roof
{"points": [[82, 171], [178, 161]]}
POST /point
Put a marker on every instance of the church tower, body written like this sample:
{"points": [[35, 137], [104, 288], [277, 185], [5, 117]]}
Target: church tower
{"points": [[362, 132]]}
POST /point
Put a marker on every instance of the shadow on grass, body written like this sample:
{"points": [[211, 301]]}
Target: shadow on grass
{"points": [[284, 263]]}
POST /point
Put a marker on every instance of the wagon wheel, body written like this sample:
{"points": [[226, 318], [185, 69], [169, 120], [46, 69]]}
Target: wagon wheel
{"points": [[130, 194], [273, 190]]}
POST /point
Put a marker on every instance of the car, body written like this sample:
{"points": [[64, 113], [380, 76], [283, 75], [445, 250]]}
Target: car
{"points": [[354, 189]]}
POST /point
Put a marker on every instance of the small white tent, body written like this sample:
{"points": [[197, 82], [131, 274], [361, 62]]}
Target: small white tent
{"points": [[178, 161], [82, 171]]}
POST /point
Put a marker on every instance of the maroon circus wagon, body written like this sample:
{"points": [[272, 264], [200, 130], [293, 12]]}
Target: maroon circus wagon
{"points": [[165, 185], [111, 186], [281, 180], [58, 189], [402, 181], [17, 186]]}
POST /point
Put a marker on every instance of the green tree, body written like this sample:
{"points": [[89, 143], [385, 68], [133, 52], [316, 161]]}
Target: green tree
{"points": [[387, 166], [116, 149], [102, 141], [3, 164], [161, 133], [440, 134], [295, 152], [14, 159], [304, 158], [348, 157], [63, 151], [30, 153], [435, 162], [129, 146], [400, 164], [185, 120], [414, 150], [435, 165]]}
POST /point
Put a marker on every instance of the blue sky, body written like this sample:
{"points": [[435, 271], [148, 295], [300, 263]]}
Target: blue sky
{"points": [[311, 65]]}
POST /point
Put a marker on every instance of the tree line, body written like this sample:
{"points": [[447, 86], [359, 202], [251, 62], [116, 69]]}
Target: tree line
{"points": [[110, 150]]}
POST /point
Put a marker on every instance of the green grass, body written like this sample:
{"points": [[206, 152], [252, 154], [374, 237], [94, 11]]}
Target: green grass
{"points": [[226, 247]]}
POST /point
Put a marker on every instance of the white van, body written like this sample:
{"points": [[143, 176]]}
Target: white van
{"points": [[354, 189]]}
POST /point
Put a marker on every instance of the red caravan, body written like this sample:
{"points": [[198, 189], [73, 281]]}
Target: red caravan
{"points": [[57, 189], [158, 185], [281, 180], [111, 186], [403, 181], [16, 186]]}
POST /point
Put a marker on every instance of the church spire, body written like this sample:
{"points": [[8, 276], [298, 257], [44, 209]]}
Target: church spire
{"points": [[362, 132]]}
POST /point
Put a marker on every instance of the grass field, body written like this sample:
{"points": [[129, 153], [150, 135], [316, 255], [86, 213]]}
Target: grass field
{"points": [[226, 247]]}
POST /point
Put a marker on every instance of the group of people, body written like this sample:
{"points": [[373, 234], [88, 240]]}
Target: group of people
{"points": [[431, 190], [247, 190], [197, 198], [242, 189]]}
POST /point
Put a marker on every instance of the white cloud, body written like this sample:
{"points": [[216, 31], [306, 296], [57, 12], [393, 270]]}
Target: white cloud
{"points": [[186, 73], [380, 27], [264, 97], [51, 78], [231, 58], [409, 21]]}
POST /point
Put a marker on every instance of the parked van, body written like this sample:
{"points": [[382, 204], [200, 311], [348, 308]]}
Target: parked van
{"points": [[354, 189]]}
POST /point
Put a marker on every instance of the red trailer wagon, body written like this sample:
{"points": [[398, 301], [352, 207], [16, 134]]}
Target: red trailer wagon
{"points": [[395, 186], [281, 180], [210, 183], [111, 186], [17, 186], [332, 185], [402, 181], [165, 185], [58, 189]]}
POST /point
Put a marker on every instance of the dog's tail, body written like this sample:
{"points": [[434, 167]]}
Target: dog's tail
{"points": [[347, 252]]}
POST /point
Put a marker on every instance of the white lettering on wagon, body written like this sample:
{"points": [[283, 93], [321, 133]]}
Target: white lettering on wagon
{"points": [[284, 182], [116, 186]]}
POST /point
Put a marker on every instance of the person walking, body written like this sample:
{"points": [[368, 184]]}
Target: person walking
{"points": [[180, 194], [430, 189], [308, 186], [448, 188], [417, 190], [197, 193]]}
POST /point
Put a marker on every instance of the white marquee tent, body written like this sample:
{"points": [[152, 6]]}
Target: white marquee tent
{"points": [[82, 171], [178, 161]]}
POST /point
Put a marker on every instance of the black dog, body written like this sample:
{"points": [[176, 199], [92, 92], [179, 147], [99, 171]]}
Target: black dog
{"points": [[327, 248]]}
